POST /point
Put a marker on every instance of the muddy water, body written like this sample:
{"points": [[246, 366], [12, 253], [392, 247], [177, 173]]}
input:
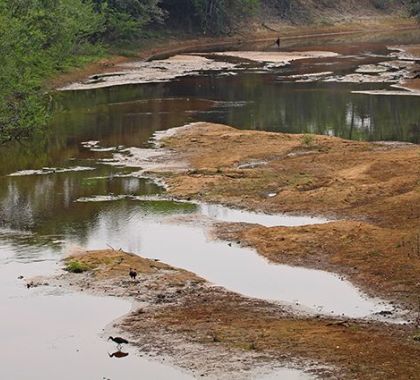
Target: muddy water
{"points": [[41, 219], [52, 334]]}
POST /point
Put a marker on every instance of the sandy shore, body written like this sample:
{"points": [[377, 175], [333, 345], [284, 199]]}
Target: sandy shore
{"points": [[214, 333]]}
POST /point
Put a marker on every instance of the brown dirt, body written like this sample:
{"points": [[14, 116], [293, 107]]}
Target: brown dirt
{"points": [[214, 332], [113, 264], [380, 260], [376, 184], [360, 351]]}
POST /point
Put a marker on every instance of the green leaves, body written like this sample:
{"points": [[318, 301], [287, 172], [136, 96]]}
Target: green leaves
{"points": [[124, 20], [37, 39], [220, 16]]}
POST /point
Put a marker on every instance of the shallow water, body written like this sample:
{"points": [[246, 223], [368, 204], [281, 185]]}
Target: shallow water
{"points": [[227, 214], [53, 334], [40, 218], [58, 334], [235, 268]]}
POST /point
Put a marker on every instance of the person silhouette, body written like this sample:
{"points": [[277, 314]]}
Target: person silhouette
{"points": [[278, 42]]}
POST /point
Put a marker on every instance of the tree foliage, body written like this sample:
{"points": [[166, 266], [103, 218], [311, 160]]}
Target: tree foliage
{"points": [[219, 16], [209, 16], [125, 19], [37, 38], [415, 8]]}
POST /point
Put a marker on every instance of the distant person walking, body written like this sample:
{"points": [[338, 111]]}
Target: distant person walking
{"points": [[278, 42]]}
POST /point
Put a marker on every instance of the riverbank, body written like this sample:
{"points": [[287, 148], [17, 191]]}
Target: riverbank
{"points": [[372, 188], [216, 333], [164, 47], [369, 191]]}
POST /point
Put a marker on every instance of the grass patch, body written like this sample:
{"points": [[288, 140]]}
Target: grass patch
{"points": [[308, 139], [75, 266]]}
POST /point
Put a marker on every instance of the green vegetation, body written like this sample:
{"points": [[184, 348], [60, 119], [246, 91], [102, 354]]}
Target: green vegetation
{"points": [[415, 8], [308, 139], [75, 266], [40, 38], [37, 39]]}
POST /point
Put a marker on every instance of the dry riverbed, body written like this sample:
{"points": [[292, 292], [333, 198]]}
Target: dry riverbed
{"points": [[372, 188], [220, 334], [373, 192]]}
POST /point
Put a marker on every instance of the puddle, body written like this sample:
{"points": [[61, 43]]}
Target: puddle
{"points": [[287, 374]]}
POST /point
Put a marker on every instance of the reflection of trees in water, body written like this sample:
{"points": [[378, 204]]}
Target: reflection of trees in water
{"points": [[324, 108], [41, 201], [128, 115]]}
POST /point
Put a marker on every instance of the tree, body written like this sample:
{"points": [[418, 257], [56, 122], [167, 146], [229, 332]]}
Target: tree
{"points": [[125, 19], [415, 8], [220, 16], [37, 38]]}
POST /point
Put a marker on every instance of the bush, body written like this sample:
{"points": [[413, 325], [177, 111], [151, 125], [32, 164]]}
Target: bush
{"points": [[308, 139], [415, 8], [37, 39]]}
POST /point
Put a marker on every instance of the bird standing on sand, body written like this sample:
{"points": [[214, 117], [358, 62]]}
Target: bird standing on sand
{"points": [[278, 42], [118, 340], [133, 273]]}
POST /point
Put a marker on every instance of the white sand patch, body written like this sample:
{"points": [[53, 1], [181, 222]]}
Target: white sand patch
{"points": [[154, 71], [45, 171], [388, 92], [278, 58]]}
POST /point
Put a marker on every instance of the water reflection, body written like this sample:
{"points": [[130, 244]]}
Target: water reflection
{"points": [[118, 354], [129, 115], [27, 202]]}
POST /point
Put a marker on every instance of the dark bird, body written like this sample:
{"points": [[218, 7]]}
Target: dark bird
{"points": [[118, 340], [133, 273], [278, 42]]}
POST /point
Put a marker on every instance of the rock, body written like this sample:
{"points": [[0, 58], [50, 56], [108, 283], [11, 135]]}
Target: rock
{"points": [[384, 313]]}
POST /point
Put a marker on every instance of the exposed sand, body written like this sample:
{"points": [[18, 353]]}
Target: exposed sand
{"points": [[214, 333], [154, 71], [410, 92], [278, 58], [376, 184], [410, 52]]}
